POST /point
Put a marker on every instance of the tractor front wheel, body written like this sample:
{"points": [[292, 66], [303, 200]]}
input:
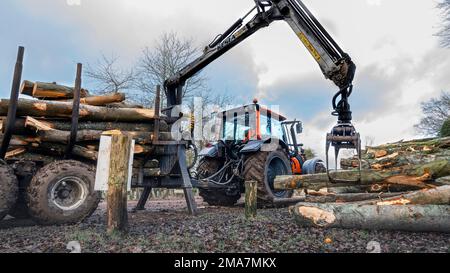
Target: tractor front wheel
{"points": [[263, 167]]}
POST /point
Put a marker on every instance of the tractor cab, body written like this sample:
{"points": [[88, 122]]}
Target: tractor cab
{"points": [[254, 122]]}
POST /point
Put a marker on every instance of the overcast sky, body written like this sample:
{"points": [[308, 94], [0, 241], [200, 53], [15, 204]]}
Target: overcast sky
{"points": [[391, 41]]}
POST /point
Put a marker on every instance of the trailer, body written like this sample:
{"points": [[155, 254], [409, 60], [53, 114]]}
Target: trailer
{"points": [[54, 184]]}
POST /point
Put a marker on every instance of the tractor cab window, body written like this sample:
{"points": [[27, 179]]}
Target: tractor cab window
{"points": [[277, 129], [238, 126], [271, 127]]}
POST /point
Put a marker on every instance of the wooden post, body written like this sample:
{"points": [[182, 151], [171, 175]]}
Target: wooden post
{"points": [[117, 182], [250, 199]]}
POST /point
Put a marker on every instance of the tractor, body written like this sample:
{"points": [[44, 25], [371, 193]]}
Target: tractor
{"points": [[254, 143]]}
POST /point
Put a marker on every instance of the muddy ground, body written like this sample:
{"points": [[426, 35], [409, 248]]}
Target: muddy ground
{"points": [[166, 227]]}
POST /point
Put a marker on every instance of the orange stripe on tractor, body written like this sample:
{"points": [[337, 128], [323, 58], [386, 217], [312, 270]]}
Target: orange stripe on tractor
{"points": [[258, 124], [296, 166]]}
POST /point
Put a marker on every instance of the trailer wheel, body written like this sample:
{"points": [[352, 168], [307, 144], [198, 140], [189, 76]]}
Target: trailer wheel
{"points": [[62, 192], [8, 189]]}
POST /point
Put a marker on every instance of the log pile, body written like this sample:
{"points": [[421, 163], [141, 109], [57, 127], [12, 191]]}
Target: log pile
{"points": [[404, 186], [43, 123]]}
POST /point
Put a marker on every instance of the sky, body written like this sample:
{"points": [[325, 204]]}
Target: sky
{"points": [[399, 62]]}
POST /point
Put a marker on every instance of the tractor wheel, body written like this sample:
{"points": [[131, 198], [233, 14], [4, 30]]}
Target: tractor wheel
{"points": [[8, 189], [314, 166], [62, 192], [214, 197], [262, 167]]}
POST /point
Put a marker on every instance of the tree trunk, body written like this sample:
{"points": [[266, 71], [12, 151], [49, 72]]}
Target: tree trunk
{"points": [[117, 183], [436, 196], [15, 152], [103, 100], [443, 180], [411, 176], [250, 199], [349, 197], [47, 134], [87, 112], [27, 88], [59, 150], [417, 218], [64, 125], [19, 126], [54, 91]]}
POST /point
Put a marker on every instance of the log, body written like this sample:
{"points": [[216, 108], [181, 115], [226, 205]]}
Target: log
{"points": [[349, 197], [148, 172], [436, 196], [443, 180], [15, 152], [104, 99], [411, 176], [47, 134], [28, 156], [117, 183], [250, 199], [59, 150], [123, 105], [19, 127], [402, 153], [26, 88], [417, 218], [64, 125], [20, 141], [54, 91], [87, 112]]}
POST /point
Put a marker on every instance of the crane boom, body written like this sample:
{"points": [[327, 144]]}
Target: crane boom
{"points": [[335, 64]]}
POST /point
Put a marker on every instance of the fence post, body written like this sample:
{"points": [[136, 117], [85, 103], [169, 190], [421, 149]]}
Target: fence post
{"points": [[250, 199], [117, 182]]}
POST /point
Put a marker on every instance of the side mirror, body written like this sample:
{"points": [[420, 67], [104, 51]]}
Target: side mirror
{"points": [[299, 128]]}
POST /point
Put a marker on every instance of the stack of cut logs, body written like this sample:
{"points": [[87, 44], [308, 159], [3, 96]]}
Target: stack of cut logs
{"points": [[403, 186], [43, 123]]}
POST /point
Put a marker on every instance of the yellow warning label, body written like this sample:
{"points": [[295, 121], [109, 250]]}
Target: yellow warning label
{"points": [[309, 46]]}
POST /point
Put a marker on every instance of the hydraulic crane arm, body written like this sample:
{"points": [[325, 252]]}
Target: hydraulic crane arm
{"points": [[334, 63]]}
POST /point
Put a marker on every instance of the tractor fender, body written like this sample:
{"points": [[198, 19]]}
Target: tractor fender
{"points": [[211, 151], [255, 145], [309, 167]]}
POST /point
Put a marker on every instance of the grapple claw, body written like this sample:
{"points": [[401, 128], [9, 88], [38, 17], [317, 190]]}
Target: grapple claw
{"points": [[343, 136]]}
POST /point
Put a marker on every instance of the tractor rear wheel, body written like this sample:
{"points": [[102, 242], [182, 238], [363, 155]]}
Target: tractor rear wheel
{"points": [[62, 192], [263, 167], [8, 189], [214, 197]]}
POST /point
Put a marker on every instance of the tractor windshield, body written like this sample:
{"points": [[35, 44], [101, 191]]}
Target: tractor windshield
{"points": [[239, 127], [271, 127], [247, 123]]}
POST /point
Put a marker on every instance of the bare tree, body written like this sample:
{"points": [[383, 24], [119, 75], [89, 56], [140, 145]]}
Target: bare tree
{"points": [[109, 77], [444, 33], [436, 111], [169, 55]]}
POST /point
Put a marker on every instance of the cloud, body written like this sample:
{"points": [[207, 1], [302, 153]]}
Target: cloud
{"points": [[399, 62]]}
